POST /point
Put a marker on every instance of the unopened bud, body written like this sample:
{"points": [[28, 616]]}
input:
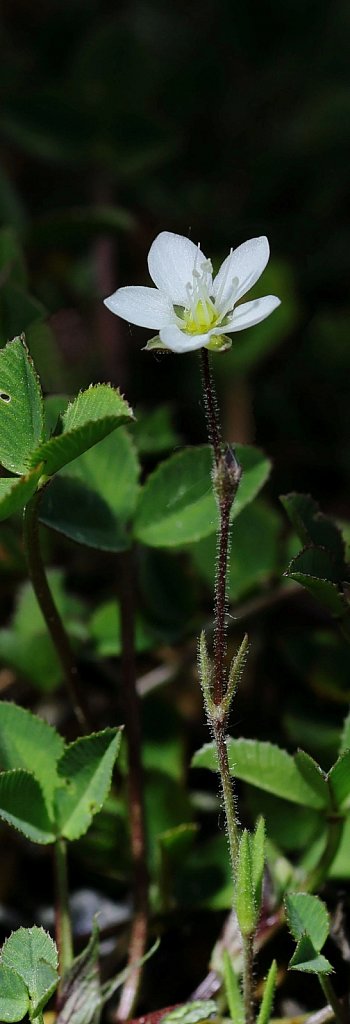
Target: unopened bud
{"points": [[227, 474]]}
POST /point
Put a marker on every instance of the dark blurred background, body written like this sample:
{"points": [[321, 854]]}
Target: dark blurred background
{"points": [[223, 120]]}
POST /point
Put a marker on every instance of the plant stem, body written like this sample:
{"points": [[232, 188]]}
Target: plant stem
{"points": [[210, 405], [224, 489], [227, 792], [47, 605], [63, 923], [139, 928], [339, 1011], [248, 978]]}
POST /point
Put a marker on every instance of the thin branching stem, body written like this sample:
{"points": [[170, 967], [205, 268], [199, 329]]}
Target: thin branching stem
{"points": [[131, 705], [51, 615]]}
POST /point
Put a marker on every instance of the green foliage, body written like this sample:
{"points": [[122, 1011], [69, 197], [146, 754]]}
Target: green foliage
{"points": [[307, 914], [105, 631], [93, 502], [320, 567], [80, 993], [85, 770], [25, 644], [16, 492], [30, 955], [14, 997], [339, 780], [153, 432], [21, 408], [308, 921], [177, 505], [86, 421], [50, 790], [22, 805], [266, 766]]}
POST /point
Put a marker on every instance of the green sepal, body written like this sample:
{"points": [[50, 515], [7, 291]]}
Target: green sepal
{"points": [[155, 345], [257, 847], [205, 669], [219, 343], [245, 897]]}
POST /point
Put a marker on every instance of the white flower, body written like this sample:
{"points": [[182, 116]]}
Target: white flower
{"points": [[188, 308]]}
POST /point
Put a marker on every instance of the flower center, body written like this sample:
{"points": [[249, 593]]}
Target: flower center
{"points": [[200, 314]]}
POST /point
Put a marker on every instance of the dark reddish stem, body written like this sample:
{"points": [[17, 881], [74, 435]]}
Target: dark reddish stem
{"points": [[139, 928], [211, 405], [50, 613]]}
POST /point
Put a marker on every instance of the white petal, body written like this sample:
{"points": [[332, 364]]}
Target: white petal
{"points": [[179, 341], [145, 307], [250, 313], [241, 269], [171, 262]]}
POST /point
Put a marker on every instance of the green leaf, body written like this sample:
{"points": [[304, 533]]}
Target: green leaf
{"points": [[21, 408], [28, 742], [14, 998], [269, 992], [314, 528], [345, 737], [177, 505], [94, 500], [86, 421], [15, 492], [307, 915], [153, 431], [22, 805], [254, 552], [315, 569], [105, 631], [233, 993], [263, 765], [339, 780], [313, 775], [308, 960], [33, 955], [86, 773], [80, 992]]}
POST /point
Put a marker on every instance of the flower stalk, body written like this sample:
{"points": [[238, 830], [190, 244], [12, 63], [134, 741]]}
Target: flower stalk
{"points": [[218, 687]]}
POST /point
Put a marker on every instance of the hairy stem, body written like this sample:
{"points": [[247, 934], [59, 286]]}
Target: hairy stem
{"points": [[227, 792], [225, 485], [210, 405], [248, 978], [139, 928], [51, 615], [63, 924]]}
